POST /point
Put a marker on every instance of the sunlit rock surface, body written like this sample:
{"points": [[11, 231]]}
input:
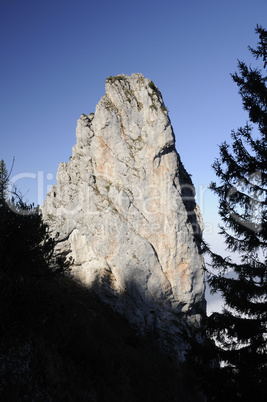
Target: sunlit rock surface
{"points": [[125, 211]]}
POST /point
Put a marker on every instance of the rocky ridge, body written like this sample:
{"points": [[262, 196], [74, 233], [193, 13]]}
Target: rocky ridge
{"points": [[125, 211]]}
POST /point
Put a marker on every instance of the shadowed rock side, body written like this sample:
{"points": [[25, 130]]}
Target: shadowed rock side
{"points": [[125, 211]]}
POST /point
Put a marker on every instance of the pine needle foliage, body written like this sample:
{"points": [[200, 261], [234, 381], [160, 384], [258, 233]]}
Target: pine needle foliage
{"points": [[239, 331]]}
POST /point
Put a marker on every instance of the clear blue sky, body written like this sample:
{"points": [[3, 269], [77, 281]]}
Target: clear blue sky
{"points": [[56, 55]]}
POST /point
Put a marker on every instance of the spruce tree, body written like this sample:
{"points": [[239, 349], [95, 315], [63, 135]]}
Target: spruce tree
{"points": [[239, 331]]}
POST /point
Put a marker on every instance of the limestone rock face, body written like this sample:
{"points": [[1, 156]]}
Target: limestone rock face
{"points": [[125, 211]]}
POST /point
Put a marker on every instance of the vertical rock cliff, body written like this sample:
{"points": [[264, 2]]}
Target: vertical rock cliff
{"points": [[125, 211]]}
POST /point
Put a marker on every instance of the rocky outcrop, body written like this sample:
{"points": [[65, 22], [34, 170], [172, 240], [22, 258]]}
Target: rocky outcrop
{"points": [[125, 211]]}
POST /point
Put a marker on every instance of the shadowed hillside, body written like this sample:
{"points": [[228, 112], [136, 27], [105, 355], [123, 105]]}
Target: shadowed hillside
{"points": [[59, 342]]}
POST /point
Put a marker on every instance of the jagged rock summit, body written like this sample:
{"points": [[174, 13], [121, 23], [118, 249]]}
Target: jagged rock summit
{"points": [[125, 211]]}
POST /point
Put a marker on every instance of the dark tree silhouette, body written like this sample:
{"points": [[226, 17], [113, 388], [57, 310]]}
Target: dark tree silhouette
{"points": [[27, 255], [240, 331]]}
